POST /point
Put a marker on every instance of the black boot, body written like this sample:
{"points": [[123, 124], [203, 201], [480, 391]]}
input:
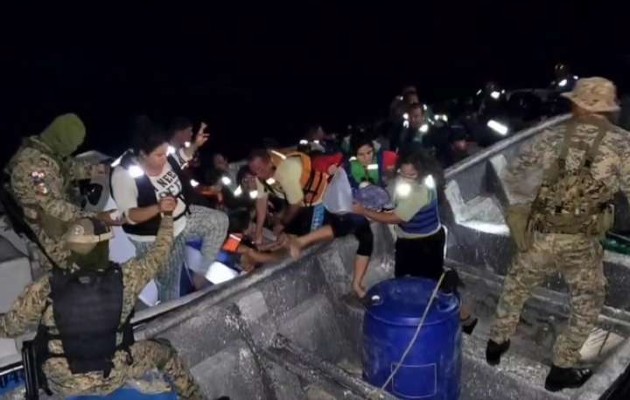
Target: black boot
{"points": [[469, 324], [494, 351], [566, 378]]}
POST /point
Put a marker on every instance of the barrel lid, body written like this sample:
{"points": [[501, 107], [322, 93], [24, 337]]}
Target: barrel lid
{"points": [[402, 302]]}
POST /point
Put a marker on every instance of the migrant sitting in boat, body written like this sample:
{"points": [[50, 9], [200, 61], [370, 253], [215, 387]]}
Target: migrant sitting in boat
{"points": [[302, 183], [146, 175]]}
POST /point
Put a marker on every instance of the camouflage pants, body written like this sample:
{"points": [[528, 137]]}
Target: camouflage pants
{"points": [[202, 223], [149, 354], [580, 260]]}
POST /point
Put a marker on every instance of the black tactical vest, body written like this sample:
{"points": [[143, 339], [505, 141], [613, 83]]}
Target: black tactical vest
{"points": [[87, 308]]}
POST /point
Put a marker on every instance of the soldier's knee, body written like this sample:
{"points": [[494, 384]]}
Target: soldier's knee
{"points": [[166, 344]]}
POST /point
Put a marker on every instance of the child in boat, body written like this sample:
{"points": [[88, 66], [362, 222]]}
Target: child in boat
{"points": [[420, 235]]}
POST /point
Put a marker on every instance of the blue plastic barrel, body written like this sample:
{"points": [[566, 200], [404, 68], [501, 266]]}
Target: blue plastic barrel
{"points": [[432, 369]]}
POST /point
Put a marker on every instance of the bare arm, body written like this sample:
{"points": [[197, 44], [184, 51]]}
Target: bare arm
{"points": [[139, 215], [383, 217], [200, 139], [261, 215]]}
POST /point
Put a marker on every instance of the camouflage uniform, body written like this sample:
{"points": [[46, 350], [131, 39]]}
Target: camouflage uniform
{"points": [[578, 257], [34, 304], [40, 182]]}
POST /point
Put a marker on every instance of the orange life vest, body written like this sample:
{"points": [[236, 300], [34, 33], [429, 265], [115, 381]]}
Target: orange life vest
{"points": [[313, 181]]}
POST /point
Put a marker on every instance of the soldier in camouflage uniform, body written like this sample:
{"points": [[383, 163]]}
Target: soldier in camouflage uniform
{"points": [[584, 162], [40, 175], [47, 303]]}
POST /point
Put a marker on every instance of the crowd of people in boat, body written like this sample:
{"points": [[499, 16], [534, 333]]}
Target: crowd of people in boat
{"points": [[394, 172]]}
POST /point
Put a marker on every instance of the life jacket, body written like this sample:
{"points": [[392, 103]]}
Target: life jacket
{"points": [[228, 254], [313, 181], [571, 201], [427, 220], [146, 195], [87, 308]]}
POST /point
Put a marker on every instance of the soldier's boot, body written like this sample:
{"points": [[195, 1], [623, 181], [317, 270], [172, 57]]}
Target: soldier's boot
{"points": [[566, 378], [495, 350], [468, 324]]}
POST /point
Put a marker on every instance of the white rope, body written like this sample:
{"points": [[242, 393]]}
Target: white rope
{"points": [[411, 343]]}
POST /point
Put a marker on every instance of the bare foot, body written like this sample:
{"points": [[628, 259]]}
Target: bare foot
{"points": [[359, 290], [247, 262], [295, 248]]}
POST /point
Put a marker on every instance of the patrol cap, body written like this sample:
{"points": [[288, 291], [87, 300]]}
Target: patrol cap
{"points": [[85, 233], [595, 94]]}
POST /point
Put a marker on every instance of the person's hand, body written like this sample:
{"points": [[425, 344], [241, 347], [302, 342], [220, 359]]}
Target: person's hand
{"points": [[110, 218], [167, 205], [202, 137], [333, 169], [358, 208]]}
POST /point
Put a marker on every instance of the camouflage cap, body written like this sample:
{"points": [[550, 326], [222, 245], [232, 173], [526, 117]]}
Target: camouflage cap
{"points": [[594, 94]]}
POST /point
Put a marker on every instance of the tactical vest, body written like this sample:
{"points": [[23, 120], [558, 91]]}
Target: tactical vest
{"points": [[313, 182], [424, 222], [147, 197], [87, 308], [373, 173], [573, 202]]}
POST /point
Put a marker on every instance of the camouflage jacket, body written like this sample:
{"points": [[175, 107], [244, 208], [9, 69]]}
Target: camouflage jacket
{"points": [[609, 165], [34, 307], [40, 181]]}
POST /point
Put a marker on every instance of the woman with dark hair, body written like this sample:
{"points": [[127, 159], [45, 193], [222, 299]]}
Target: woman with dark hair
{"points": [[148, 173], [420, 235], [369, 165]]}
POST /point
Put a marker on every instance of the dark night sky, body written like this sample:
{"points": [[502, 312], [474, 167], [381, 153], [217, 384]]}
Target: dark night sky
{"points": [[263, 70]]}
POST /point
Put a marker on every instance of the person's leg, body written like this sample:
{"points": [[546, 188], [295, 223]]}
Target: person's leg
{"points": [[405, 257], [583, 270], [364, 235], [168, 279], [209, 225], [158, 353], [529, 269], [298, 243]]}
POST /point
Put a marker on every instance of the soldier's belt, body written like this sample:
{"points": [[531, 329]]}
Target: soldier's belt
{"points": [[567, 224]]}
